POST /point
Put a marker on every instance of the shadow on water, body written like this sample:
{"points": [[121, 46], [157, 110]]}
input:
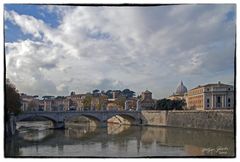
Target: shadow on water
{"points": [[117, 140]]}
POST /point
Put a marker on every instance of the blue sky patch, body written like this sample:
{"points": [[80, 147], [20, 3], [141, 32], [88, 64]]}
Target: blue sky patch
{"points": [[14, 33], [37, 11], [230, 16]]}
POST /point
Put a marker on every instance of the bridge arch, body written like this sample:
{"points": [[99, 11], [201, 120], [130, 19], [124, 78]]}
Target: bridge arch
{"points": [[123, 118], [92, 117], [23, 117], [30, 116]]}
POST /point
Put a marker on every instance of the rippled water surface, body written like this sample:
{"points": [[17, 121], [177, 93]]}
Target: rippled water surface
{"points": [[36, 139]]}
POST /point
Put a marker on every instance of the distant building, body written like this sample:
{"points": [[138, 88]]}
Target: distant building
{"points": [[111, 105], [76, 101], [211, 96], [66, 104], [47, 104], [58, 103], [146, 100], [29, 103], [25, 100], [180, 93], [41, 105], [132, 103], [95, 103], [116, 94], [116, 103]]}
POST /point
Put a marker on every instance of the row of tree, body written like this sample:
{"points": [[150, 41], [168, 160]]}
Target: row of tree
{"points": [[126, 92], [166, 104]]}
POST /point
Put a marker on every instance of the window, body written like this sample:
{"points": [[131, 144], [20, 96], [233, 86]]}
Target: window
{"points": [[207, 89], [218, 99], [229, 100], [229, 89], [208, 100], [229, 105], [207, 105]]}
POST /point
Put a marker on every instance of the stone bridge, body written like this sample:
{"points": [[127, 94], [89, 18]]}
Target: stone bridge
{"points": [[59, 117]]}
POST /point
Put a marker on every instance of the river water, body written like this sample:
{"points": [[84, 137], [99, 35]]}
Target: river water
{"points": [[82, 140]]}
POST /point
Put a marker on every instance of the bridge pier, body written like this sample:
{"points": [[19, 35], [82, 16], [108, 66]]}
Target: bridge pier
{"points": [[58, 125], [103, 124]]}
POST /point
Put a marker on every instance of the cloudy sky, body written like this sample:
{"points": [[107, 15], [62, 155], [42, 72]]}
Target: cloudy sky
{"points": [[53, 50]]}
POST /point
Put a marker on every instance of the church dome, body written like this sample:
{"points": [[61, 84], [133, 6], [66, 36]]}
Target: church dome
{"points": [[181, 89]]}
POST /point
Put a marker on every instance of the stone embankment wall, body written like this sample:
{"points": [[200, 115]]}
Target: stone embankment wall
{"points": [[154, 117], [209, 119]]}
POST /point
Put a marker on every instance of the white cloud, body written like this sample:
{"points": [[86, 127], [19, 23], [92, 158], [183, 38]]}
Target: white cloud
{"points": [[28, 24], [133, 47]]}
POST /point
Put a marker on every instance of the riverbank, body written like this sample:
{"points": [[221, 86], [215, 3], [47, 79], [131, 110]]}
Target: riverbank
{"points": [[222, 120]]}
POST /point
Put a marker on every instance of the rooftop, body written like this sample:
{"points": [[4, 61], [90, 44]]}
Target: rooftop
{"points": [[147, 91], [219, 84]]}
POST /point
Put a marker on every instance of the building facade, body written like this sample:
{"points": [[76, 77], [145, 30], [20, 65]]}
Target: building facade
{"points": [[146, 100], [29, 103], [47, 104], [211, 96], [76, 101]]}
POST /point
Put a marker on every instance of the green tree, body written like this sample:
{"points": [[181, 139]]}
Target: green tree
{"points": [[87, 102], [109, 93], [128, 93], [178, 104], [95, 91], [163, 104], [102, 102], [13, 101], [120, 101], [166, 104]]}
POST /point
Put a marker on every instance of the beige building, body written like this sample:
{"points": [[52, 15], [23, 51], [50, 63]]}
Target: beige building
{"points": [[211, 96], [95, 103], [132, 103], [29, 103], [116, 103], [47, 104], [58, 103], [76, 100]]}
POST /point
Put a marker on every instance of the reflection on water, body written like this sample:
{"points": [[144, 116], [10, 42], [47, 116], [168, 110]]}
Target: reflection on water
{"points": [[116, 128], [35, 139], [33, 125], [79, 131]]}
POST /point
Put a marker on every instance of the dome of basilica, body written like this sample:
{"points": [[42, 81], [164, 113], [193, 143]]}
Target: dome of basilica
{"points": [[181, 89]]}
